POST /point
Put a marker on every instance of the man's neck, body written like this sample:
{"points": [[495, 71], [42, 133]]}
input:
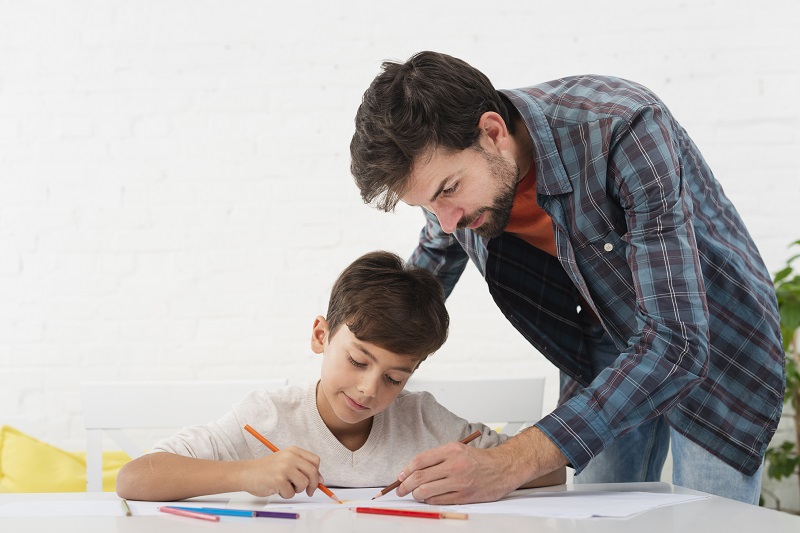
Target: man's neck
{"points": [[522, 148]]}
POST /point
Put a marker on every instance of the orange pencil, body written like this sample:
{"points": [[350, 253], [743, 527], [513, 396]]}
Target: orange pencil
{"points": [[274, 448], [466, 440]]}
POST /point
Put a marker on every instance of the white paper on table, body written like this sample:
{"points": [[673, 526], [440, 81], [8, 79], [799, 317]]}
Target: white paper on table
{"points": [[578, 504], [361, 497], [58, 508]]}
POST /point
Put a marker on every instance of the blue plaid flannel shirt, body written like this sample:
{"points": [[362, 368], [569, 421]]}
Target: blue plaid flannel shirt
{"points": [[646, 236]]}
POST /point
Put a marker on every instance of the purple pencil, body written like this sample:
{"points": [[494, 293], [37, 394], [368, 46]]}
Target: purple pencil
{"points": [[276, 514]]}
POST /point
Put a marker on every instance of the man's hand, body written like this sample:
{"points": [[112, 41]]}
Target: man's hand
{"points": [[456, 473]]}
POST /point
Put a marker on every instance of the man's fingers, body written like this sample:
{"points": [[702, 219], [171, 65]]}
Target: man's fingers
{"points": [[419, 463], [421, 477]]}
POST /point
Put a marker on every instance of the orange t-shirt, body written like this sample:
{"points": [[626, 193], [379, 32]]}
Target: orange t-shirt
{"points": [[528, 221]]}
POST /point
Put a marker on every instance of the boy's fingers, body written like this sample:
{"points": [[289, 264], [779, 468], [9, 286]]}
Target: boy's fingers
{"points": [[305, 454]]}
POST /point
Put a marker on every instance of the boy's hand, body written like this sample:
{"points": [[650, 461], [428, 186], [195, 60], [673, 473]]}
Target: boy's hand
{"points": [[287, 472]]}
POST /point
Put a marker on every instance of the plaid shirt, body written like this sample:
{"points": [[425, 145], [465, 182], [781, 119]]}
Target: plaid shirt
{"points": [[646, 236]]}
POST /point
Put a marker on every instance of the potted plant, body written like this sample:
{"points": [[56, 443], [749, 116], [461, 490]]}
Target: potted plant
{"points": [[783, 459]]}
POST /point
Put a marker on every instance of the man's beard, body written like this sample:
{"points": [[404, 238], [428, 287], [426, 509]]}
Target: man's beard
{"points": [[507, 175]]}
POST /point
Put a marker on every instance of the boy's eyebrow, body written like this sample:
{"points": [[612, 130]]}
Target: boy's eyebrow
{"points": [[363, 350]]}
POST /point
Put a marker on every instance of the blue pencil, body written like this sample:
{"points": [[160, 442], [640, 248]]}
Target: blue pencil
{"points": [[239, 512]]}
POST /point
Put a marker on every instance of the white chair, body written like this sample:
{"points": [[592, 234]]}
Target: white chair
{"points": [[111, 406], [515, 401]]}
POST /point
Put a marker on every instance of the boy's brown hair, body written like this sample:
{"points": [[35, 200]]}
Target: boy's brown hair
{"points": [[388, 303], [433, 100]]}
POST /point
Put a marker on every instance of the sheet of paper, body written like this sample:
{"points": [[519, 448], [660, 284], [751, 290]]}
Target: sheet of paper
{"points": [[350, 498], [50, 508], [578, 504], [561, 504]]}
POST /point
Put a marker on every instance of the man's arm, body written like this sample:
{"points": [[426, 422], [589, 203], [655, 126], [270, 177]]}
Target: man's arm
{"points": [[647, 284], [456, 473], [163, 476]]}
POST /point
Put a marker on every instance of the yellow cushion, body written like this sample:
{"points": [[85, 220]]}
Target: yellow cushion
{"points": [[30, 465]]}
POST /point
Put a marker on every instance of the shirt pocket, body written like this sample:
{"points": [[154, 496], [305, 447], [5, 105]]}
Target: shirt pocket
{"points": [[603, 263]]}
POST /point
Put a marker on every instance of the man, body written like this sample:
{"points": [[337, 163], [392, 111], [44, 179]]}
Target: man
{"points": [[607, 242]]}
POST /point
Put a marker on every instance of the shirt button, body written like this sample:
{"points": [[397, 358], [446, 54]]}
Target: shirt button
{"points": [[608, 247]]}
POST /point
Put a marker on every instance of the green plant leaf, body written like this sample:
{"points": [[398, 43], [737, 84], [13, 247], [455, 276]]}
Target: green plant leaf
{"points": [[784, 460]]}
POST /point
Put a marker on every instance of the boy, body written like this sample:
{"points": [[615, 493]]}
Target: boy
{"points": [[356, 424]]}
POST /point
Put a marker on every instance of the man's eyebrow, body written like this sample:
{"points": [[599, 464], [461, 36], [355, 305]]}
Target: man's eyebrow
{"points": [[440, 189], [366, 352]]}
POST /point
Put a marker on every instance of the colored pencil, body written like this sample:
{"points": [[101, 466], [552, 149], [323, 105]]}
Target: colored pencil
{"points": [[218, 512], [274, 448], [277, 514], [125, 508], [466, 440], [412, 513], [189, 514], [239, 512]]}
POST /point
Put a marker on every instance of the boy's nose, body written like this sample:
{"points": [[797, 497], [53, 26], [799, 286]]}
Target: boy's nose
{"points": [[368, 386]]}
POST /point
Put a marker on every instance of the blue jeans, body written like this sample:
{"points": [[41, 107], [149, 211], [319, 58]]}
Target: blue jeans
{"points": [[640, 454]]}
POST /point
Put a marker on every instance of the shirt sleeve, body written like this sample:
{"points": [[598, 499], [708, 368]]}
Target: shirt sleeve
{"points": [[449, 427], [668, 354], [440, 253], [225, 439]]}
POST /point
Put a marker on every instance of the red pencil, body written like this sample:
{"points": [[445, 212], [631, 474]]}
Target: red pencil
{"points": [[466, 440], [274, 448], [412, 513]]}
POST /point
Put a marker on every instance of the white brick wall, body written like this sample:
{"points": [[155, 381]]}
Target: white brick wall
{"points": [[175, 198]]}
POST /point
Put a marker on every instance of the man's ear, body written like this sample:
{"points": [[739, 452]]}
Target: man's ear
{"points": [[494, 129], [319, 334]]}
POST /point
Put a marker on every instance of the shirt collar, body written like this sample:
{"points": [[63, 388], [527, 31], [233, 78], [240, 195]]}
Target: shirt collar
{"points": [[551, 177]]}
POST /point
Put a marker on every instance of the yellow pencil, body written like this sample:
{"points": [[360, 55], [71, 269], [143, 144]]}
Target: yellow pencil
{"points": [[125, 508]]}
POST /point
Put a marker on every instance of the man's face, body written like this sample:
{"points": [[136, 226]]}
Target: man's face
{"points": [[473, 188], [358, 379]]}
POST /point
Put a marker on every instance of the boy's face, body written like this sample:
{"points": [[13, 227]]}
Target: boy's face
{"points": [[358, 379]]}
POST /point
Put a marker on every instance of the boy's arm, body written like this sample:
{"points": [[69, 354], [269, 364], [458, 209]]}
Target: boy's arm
{"points": [[163, 476]]}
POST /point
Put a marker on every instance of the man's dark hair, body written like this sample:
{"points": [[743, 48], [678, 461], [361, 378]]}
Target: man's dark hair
{"points": [[432, 100], [388, 303]]}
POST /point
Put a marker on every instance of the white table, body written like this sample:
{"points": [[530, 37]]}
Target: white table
{"points": [[705, 516]]}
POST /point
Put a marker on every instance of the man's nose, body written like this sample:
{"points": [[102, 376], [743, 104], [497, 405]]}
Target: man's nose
{"points": [[449, 217]]}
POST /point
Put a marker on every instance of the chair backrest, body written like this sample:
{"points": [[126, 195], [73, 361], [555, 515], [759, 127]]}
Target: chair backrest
{"points": [[517, 402], [110, 407]]}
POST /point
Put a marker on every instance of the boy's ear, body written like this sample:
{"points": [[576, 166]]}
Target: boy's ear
{"points": [[319, 334]]}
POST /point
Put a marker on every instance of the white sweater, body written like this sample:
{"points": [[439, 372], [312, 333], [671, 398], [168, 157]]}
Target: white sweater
{"points": [[413, 423]]}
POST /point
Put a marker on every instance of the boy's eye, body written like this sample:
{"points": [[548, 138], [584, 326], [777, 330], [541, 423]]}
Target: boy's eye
{"points": [[356, 363], [392, 381]]}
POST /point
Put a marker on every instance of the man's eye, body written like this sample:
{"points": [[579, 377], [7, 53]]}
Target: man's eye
{"points": [[451, 189]]}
